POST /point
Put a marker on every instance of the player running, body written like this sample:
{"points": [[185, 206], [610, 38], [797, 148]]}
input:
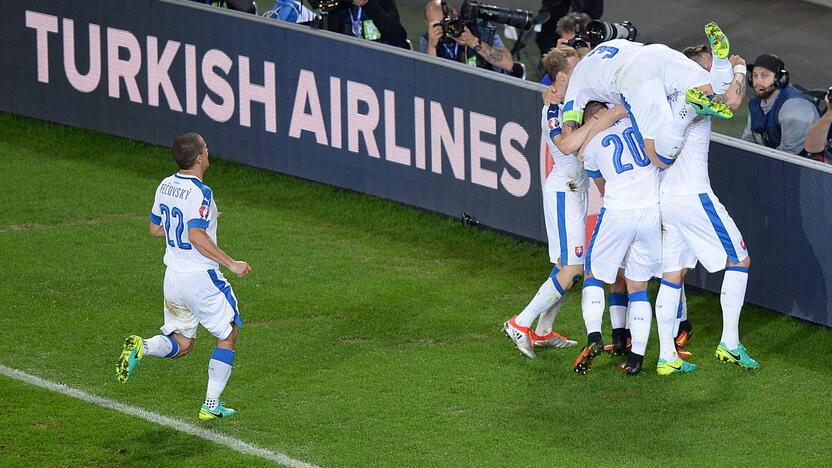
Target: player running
{"points": [[628, 234], [185, 213], [565, 203], [697, 226], [641, 77]]}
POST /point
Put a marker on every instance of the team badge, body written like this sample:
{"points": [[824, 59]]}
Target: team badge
{"points": [[203, 211], [553, 123], [742, 244], [579, 250]]}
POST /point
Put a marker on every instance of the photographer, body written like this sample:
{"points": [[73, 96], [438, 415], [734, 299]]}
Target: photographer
{"points": [[779, 115], [568, 26], [373, 20], [468, 47], [819, 137], [550, 31]]}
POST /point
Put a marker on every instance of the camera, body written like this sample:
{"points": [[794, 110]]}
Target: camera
{"points": [[327, 6], [601, 31], [472, 12], [829, 95]]}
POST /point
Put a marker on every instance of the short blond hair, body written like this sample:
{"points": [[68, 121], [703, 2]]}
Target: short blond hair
{"points": [[557, 60]]}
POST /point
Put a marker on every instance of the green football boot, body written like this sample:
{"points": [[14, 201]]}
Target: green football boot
{"points": [[720, 45], [737, 356], [706, 107], [219, 412], [131, 355], [679, 366]]}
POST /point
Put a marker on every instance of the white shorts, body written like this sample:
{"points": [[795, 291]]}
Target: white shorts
{"points": [[565, 214], [697, 227], [629, 239], [652, 77], [203, 297]]}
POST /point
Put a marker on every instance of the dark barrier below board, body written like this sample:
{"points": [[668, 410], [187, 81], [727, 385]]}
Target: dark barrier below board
{"points": [[374, 119]]}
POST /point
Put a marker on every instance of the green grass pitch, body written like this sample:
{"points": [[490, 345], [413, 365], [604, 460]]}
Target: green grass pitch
{"points": [[372, 335]]}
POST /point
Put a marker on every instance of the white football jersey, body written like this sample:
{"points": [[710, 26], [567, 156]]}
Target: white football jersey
{"points": [[183, 202], [568, 174], [593, 77], [632, 181], [689, 174]]}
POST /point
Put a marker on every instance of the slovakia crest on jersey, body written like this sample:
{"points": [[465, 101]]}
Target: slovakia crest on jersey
{"points": [[553, 123], [203, 212], [579, 251]]}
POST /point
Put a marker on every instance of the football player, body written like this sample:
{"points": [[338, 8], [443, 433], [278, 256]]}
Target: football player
{"points": [[184, 213]]}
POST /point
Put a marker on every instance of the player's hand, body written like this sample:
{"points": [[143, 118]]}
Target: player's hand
{"points": [[240, 269], [434, 33], [619, 112], [551, 96], [735, 60], [467, 38]]}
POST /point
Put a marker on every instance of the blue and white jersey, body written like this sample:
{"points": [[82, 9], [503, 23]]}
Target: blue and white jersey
{"points": [[184, 202], [689, 173], [593, 77], [632, 181], [568, 174]]}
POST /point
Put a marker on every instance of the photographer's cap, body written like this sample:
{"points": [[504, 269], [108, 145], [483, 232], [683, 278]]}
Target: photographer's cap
{"points": [[767, 61]]}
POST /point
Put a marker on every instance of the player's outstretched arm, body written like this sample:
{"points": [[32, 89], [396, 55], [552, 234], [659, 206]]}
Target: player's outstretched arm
{"points": [[157, 230], [572, 139], [208, 248]]}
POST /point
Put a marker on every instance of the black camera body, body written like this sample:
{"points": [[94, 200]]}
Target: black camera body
{"points": [[829, 95], [328, 6], [472, 13]]}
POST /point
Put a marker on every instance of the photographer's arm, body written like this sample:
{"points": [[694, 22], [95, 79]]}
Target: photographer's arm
{"points": [[385, 15], [498, 56], [816, 137]]}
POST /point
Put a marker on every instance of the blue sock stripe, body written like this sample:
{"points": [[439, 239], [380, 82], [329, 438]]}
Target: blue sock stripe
{"points": [[639, 296], [223, 355], [738, 268], [174, 347], [618, 299], [671, 284], [589, 282]]}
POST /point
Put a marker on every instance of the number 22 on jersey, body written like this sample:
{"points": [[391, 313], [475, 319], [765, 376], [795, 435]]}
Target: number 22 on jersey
{"points": [[169, 214]]}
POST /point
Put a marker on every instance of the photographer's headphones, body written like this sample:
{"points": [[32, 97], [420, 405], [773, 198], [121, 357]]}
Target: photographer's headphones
{"points": [[781, 75]]}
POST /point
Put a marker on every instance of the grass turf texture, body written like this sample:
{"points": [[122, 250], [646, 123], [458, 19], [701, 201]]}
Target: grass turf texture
{"points": [[372, 333]]}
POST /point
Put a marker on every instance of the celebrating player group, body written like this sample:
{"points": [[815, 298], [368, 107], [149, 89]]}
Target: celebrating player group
{"points": [[637, 120]]}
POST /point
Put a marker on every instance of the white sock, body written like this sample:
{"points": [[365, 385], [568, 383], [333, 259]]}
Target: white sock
{"points": [[618, 310], [681, 313], [667, 307], [160, 346], [546, 297], [592, 304], [547, 319], [722, 73], [219, 370], [732, 299], [641, 318], [682, 119]]}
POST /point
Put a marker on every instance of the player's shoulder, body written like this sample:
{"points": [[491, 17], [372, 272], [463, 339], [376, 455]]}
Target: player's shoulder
{"points": [[200, 191]]}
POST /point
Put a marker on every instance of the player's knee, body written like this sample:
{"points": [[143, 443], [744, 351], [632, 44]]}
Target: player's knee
{"points": [[230, 340], [745, 263], [673, 276], [185, 345]]}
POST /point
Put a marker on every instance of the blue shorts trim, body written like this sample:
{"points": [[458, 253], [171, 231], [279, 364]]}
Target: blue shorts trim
{"points": [[561, 213], [225, 288], [719, 227]]}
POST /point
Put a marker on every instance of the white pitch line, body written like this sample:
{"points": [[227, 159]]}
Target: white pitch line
{"points": [[207, 434]]}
